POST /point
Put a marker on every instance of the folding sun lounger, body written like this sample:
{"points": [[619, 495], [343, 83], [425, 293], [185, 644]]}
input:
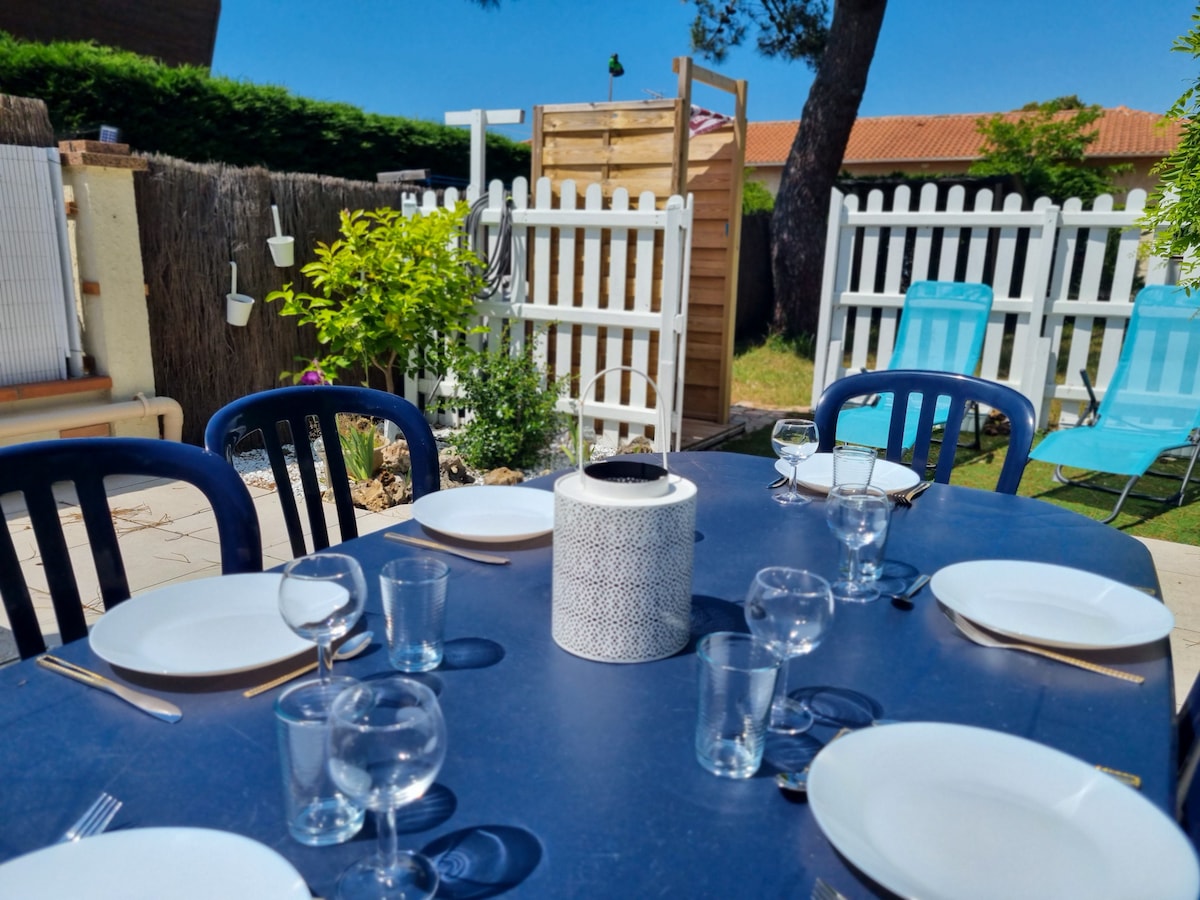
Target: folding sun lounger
{"points": [[1151, 406]]}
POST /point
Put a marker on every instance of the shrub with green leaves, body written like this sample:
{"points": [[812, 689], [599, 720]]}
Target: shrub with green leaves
{"points": [[1173, 216], [393, 293], [184, 112], [513, 419]]}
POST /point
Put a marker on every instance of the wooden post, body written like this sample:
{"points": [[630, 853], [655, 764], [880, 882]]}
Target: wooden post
{"points": [[479, 120]]}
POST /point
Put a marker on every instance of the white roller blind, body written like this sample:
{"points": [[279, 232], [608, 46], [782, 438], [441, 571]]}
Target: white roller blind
{"points": [[33, 328]]}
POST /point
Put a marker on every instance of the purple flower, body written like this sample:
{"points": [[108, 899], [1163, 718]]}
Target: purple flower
{"points": [[313, 375]]}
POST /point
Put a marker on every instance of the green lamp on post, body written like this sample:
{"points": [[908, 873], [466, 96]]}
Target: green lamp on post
{"points": [[615, 70]]}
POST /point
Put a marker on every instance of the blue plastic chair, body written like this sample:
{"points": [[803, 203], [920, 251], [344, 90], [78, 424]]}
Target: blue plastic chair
{"points": [[1151, 406], [915, 402], [1187, 731], [33, 469], [942, 327], [297, 407]]}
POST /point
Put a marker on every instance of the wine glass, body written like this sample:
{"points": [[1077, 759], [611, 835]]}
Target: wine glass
{"points": [[321, 598], [387, 742], [789, 610], [857, 514], [794, 440]]}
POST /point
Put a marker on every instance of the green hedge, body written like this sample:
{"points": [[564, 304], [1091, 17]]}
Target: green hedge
{"points": [[186, 113]]}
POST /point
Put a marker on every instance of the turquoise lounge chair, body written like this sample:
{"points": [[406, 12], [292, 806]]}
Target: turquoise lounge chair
{"points": [[942, 328], [1151, 406]]}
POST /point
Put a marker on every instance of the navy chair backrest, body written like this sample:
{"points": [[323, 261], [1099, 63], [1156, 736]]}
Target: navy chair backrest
{"points": [[1188, 747], [264, 412], [932, 387], [32, 470]]}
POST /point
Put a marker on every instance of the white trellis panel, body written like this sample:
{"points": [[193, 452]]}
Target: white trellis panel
{"points": [[1047, 268], [585, 276]]}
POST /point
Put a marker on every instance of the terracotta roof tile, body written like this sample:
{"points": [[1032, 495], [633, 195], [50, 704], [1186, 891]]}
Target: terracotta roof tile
{"points": [[1123, 132]]}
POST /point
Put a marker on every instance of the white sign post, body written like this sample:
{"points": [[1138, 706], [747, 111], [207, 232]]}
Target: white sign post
{"points": [[479, 120]]}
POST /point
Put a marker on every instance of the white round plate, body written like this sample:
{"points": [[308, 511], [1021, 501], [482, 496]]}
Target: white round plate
{"points": [[1051, 605], [155, 864], [944, 812], [209, 626], [816, 474], [489, 513]]}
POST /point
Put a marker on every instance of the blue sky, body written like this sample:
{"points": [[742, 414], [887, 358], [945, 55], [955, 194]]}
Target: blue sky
{"points": [[422, 59]]}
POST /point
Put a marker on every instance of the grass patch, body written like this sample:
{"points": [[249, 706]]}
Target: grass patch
{"points": [[777, 374], [980, 468]]}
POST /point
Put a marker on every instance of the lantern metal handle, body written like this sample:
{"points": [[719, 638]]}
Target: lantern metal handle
{"points": [[662, 412]]}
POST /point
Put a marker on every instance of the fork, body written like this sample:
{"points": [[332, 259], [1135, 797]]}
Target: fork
{"points": [[906, 498], [94, 820], [822, 890], [985, 639]]}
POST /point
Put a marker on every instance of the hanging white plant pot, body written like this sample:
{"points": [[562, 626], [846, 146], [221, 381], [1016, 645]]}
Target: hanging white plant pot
{"points": [[283, 250], [237, 308]]}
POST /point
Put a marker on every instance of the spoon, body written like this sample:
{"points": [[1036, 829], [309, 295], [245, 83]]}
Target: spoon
{"points": [[350, 648], [904, 601]]}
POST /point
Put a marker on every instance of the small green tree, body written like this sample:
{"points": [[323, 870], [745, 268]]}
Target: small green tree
{"points": [[392, 293], [512, 404], [1173, 216], [755, 196], [1046, 145]]}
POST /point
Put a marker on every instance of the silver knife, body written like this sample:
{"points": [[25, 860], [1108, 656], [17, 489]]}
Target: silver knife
{"points": [[147, 703]]}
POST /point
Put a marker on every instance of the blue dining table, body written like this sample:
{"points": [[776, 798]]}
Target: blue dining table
{"points": [[571, 778]]}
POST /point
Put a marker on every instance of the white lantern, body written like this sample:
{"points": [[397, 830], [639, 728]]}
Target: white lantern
{"points": [[624, 533]]}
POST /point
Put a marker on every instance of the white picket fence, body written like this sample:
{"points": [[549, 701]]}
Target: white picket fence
{"points": [[606, 284], [1045, 266]]}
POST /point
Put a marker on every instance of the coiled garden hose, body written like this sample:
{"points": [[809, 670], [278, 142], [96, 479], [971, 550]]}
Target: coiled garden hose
{"points": [[498, 259]]}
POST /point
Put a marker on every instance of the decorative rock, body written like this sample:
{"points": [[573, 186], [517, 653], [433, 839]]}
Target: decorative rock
{"points": [[639, 444], [455, 472], [503, 475], [396, 456]]}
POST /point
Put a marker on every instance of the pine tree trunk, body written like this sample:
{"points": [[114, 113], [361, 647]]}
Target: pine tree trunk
{"points": [[801, 206]]}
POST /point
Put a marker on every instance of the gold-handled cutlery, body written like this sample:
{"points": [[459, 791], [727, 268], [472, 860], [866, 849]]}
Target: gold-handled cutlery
{"points": [[987, 639], [147, 703], [906, 498], [351, 648], [490, 558], [1134, 781]]}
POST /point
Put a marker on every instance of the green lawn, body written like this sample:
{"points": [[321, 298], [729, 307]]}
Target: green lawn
{"points": [[761, 378]]}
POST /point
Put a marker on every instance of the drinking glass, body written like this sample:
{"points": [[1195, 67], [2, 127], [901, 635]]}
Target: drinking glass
{"points": [[858, 516], [789, 610], [794, 440], [387, 742], [321, 598]]}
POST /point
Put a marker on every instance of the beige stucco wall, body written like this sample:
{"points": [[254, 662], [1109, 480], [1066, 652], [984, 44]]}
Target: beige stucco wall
{"points": [[116, 326]]}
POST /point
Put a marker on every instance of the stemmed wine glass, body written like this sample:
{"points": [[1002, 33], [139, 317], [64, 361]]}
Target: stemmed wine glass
{"points": [[857, 514], [321, 598], [789, 610], [794, 440], [387, 742]]}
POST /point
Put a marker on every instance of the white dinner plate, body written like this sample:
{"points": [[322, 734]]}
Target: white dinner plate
{"points": [[490, 513], [209, 626], [155, 864], [944, 812], [816, 474], [1052, 605]]}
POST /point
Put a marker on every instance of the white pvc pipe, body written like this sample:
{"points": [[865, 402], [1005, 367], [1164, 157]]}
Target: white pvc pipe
{"points": [[56, 419], [74, 337]]}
